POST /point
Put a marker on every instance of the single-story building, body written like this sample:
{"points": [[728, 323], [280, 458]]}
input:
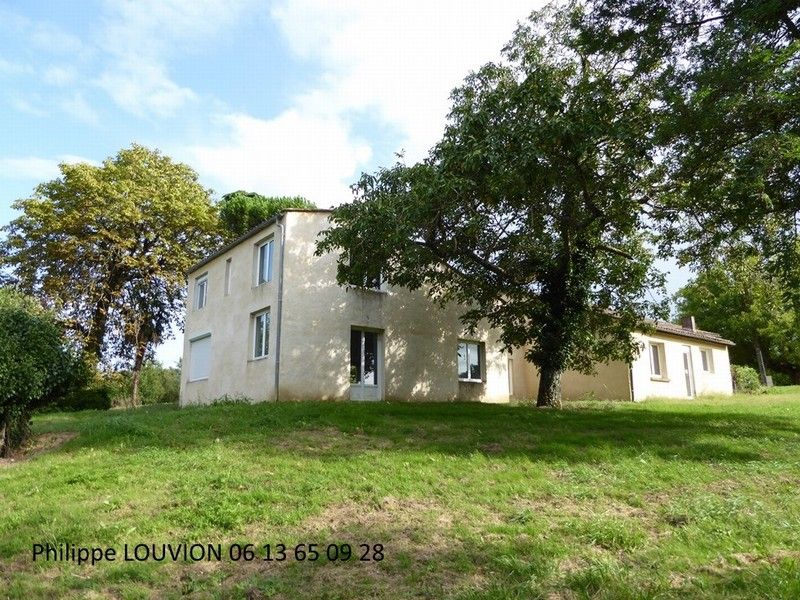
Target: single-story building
{"points": [[266, 320]]}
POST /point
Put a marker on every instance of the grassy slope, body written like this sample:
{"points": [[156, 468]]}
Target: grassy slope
{"points": [[471, 501]]}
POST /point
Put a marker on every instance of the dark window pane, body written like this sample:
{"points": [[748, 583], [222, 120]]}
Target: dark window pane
{"points": [[474, 361], [258, 351], [355, 356], [462, 361], [370, 358]]}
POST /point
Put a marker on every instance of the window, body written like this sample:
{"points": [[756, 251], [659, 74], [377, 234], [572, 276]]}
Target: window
{"points": [[265, 262], [363, 357], [261, 334], [199, 358], [228, 277], [469, 361], [708, 359], [657, 366], [371, 281], [201, 291]]}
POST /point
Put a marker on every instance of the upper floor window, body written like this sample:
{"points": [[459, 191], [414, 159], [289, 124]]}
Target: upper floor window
{"points": [[201, 291], [708, 359], [470, 361], [265, 261], [372, 281]]}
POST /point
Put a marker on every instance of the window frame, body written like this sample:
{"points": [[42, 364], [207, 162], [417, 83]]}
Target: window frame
{"points": [[228, 269], [199, 338], [660, 355], [202, 280], [265, 313], [362, 358], [707, 360], [268, 242], [481, 351]]}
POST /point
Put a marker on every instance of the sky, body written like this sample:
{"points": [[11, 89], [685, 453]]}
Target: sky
{"points": [[282, 97]]}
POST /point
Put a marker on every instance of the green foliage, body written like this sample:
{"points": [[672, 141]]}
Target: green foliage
{"points": [[108, 246], [739, 298], [240, 211], [37, 364], [157, 385], [746, 379], [528, 213], [727, 75]]}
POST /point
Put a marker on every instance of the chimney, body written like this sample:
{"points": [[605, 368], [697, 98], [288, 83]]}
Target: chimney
{"points": [[688, 323]]}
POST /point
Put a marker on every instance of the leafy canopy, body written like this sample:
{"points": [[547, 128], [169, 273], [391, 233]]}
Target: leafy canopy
{"points": [[528, 211], [739, 298], [240, 211], [727, 78], [108, 246]]}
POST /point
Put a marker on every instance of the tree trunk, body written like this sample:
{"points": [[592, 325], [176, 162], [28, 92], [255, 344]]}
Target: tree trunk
{"points": [[762, 369], [4, 445], [549, 388], [136, 373]]}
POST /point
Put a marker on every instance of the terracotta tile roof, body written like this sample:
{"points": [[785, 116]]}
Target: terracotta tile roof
{"points": [[697, 334]]}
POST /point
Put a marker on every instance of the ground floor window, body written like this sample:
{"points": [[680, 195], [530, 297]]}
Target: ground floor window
{"points": [[261, 337], [199, 358], [470, 359], [708, 359], [657, 367], [363, 357]]}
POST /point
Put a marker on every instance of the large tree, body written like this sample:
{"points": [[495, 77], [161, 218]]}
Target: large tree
{"points": [[528, 211], [739, 298], [727, 74], [240, 211], [108, 247]]}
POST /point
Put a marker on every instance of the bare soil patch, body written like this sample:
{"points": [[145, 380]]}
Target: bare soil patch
{"points": [[39, 444]]}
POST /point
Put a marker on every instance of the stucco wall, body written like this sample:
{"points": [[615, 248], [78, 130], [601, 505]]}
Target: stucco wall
{"points": [[419, 339], [611, 381], [673, 384], [228, 319]]}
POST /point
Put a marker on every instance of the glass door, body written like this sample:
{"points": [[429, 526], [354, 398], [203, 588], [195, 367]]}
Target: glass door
{"points": [[688, 371], [365, 365]]}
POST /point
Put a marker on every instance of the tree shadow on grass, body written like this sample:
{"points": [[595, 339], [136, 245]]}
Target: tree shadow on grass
{"points": [[334, 430]]}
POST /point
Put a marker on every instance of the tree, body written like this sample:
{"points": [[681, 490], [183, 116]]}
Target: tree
{"points": [[727, 76], [108, 247], [528, 211], [240, 211], [37, 364], [739, 298]]}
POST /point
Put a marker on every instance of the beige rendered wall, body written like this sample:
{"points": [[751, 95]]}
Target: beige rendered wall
{"points": [[611, 381], [419, 339], [228, 318], [673, 384]]}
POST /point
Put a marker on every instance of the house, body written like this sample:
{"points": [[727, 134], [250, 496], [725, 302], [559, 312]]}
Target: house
{"points": [[266, 320]]}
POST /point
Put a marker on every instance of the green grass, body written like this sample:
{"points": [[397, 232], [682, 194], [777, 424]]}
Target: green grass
{"points": [[660, 499]]}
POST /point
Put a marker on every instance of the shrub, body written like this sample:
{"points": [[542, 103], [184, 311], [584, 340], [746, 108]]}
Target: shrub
{"points": [[157, 385], [781, 378], [746, 379], [37, 364]]}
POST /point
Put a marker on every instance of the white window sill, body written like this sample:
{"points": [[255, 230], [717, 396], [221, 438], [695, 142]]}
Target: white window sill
{"points": [[659, 378], [256, 359], [197, 380], [470, 380]]}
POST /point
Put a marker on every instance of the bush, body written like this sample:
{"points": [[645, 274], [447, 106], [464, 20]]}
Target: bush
{"points": [[94, 397], [746, 379], [781, 379], [37, 364], [157, 385]]}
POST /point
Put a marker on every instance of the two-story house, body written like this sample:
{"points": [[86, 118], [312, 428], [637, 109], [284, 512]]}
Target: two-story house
{"points": [[266, 320]]}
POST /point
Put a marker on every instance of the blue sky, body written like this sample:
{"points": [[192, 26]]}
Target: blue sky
{"points": [[283, 97]]}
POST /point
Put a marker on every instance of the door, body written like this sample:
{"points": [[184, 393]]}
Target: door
{"points": [[688, 371], [366, 365]]}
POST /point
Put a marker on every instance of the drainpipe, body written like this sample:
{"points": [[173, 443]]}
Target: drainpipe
{"points": [[279, 314]]}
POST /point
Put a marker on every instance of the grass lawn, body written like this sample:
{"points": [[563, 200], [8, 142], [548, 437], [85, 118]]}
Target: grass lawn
{"points": [[661, 499]]}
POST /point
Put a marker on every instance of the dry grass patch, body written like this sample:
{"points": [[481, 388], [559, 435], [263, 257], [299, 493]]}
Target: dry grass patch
{"points": [[37, 445]]}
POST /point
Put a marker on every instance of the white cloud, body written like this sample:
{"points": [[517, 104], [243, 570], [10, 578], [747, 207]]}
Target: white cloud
{"points": [[139, 37], [295, 153], [400, 60], [59, 75], [36, 168], [76, 106], [13, 68]]}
